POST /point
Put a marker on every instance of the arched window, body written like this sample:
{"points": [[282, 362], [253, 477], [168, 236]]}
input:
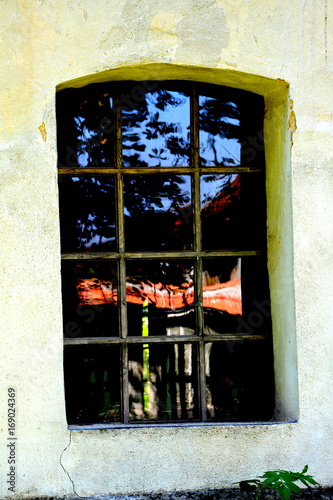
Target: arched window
{"points": [[164, 270]]}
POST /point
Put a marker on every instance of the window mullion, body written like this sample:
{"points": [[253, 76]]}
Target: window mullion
{"points": [[161, 255], [202, 375], [88, 171], [121, 264], [120, 224], [197, 248], [124, 392]]}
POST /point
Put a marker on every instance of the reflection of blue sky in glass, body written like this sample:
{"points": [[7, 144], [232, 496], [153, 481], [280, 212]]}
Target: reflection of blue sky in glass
{"points": [[216, 149], [162, 138], [166, 203], [96, 137], [85, 137], [91, 225], [211, 188], [157, 132]]}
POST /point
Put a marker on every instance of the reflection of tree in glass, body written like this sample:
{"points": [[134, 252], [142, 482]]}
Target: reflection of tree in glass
{"points": [[87, 217], [154, 206], [177, 273], [234, 205], [224, 187], [221, 211], [86, 124], [218, 120], [155, 128], [156, 193], [94, 125], [160, 142]]}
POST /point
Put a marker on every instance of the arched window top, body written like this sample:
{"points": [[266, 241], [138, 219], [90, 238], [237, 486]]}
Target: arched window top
{"points": [[159, 124]]}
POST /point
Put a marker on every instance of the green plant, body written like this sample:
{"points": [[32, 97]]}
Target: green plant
{"points": [[282, 481]]}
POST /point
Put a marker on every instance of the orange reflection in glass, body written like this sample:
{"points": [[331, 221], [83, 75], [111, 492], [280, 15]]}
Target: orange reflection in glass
{"points": [[222, 296], [93, 291]]}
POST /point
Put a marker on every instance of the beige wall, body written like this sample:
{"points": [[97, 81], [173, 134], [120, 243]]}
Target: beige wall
{"points": [[253, 44]]}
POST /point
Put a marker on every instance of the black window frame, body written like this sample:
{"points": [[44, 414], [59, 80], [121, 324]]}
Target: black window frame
{"points": [[252, 162]]}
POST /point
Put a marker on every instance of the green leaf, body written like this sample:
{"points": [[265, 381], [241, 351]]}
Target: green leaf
{"points": [[310, 480], [283, 481], [289, 476], [304, 481], [273, 475], [293, 487], [284, 492], [269, 483]]}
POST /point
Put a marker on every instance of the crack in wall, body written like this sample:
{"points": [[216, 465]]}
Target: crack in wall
{"points": [[65, 470]]}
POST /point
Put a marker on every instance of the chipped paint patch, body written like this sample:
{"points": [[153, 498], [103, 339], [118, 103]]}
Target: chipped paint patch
{"points": [[292, 121], [43, 132]]}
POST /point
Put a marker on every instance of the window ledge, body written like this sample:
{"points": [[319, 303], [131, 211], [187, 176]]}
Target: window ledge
{"points": [[117, 426]]}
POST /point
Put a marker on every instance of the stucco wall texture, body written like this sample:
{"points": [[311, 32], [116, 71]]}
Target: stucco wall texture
{"points": [[281, 49]]}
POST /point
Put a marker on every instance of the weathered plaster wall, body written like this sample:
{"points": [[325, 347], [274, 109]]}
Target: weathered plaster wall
{"points": [[244, 43]]}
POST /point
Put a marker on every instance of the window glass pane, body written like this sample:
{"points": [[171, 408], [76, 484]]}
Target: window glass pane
{"points": [[155, 127], [163, 382], [233, 211], [239, 378], [90, 301], [85, 119], [222, 295], [158, 212], [160, 297], [92, 384], [219, 125], [252, 109], [235, 297], [256, 311], [87, 214]]}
